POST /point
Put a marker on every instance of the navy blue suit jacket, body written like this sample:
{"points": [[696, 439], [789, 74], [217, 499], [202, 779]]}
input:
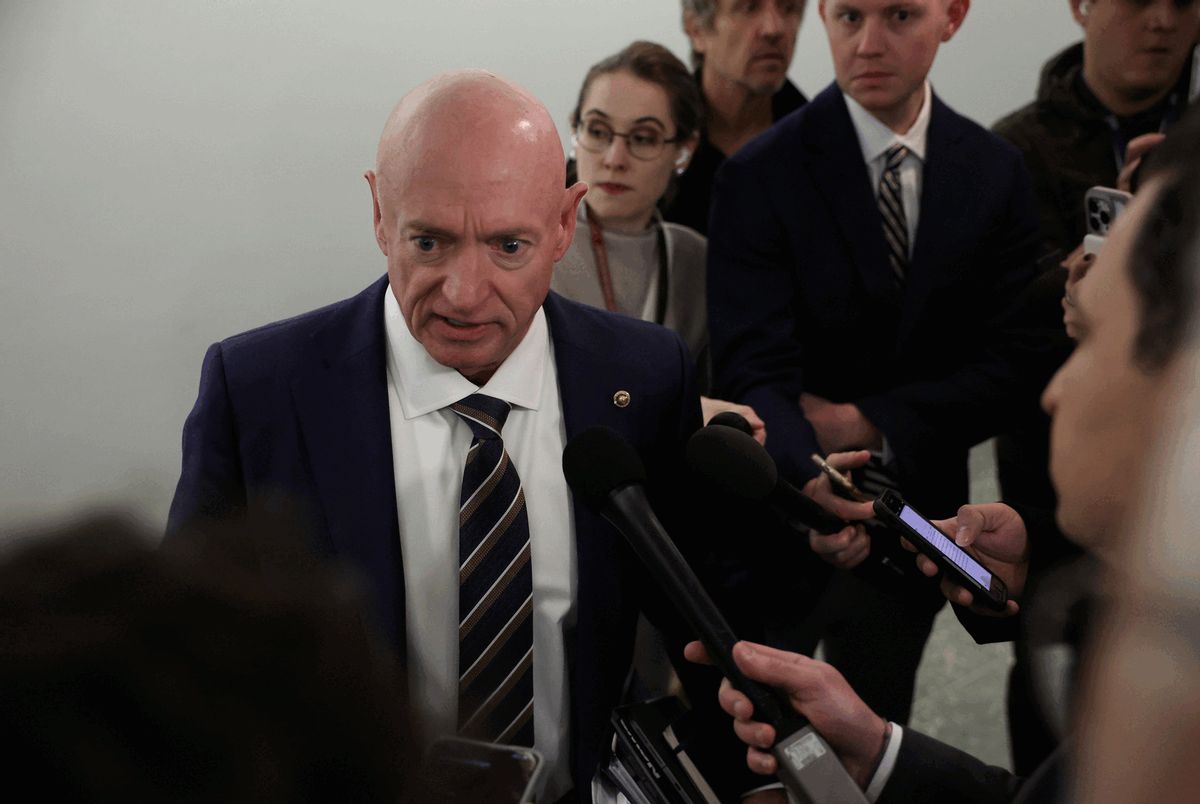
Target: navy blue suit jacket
{"points": [[801, 296], [298, 410]]}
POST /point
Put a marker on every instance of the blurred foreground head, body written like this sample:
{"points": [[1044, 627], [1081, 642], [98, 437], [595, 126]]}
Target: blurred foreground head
{"points": [[197, 672], [1139, 744], [1109, 401]]}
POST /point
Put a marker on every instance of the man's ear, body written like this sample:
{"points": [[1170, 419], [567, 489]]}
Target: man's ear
{"points": [[956, 12], [572, 197], [1079, 10], [694, 31], [821, 11], [380, 236]]}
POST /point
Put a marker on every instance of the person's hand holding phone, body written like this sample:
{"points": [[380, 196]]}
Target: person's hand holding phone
{"points": [[851, 545], [995, 534]]}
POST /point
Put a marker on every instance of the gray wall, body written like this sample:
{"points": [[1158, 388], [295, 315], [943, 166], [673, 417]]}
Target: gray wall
{"points": [[173, 172]]}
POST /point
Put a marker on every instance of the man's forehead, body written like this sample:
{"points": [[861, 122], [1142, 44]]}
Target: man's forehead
{"points": [[452, 202], [881, 5]]}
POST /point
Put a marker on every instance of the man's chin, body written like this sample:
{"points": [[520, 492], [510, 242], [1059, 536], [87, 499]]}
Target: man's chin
{"points": [[766, 86]]}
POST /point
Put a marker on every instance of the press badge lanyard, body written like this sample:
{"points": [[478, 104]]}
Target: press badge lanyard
{"points": [[1119, 144], [656, 297]]}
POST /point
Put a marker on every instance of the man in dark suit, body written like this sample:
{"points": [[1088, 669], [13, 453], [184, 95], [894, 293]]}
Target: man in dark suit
{"points": [[1108, 404], [419, 426], [860, 256]]}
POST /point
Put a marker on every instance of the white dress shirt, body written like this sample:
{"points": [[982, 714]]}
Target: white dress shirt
{"points": [[429, 445], [875, 139]]}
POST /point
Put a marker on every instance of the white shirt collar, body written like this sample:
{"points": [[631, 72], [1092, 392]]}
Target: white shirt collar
{"points": [[424, 385], [875, 138]]}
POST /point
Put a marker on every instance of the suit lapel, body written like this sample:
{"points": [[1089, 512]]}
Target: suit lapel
{"points": [[587, 380], [944, 194], [834, 157], [341, 403]]}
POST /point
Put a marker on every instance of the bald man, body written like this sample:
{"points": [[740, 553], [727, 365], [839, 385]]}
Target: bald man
{"points": [[420, 427]]}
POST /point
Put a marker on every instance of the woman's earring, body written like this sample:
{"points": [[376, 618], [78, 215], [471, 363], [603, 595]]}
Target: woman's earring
{"points": [[679, 171]]}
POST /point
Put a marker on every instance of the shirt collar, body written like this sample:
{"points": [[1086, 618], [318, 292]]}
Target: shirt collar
{"points": [[424, 385], [875, 138]]}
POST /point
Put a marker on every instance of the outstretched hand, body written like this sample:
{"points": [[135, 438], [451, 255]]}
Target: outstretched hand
{"points": [[817, 691]]}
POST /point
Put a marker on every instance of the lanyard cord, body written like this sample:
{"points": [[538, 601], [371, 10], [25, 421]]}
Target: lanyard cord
{"points": [[1119, 145], [600, 252]]}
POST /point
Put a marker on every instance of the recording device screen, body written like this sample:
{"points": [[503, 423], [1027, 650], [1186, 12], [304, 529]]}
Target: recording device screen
{"points": [[959, 557], [468, 771]]}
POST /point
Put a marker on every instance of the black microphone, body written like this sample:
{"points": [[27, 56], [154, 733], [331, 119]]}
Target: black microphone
{"points": [[608, 474], [738, 465], [727, 418]]}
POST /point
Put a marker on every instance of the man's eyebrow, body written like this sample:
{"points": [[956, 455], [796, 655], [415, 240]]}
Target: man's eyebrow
{"points": [[509, 233], [428, 229]]}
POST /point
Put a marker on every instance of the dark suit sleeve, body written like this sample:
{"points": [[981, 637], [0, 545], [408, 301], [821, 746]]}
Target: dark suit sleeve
{"points": [[757, 358], [973, 403], [210, 484], [1054, 211], [930, 771]]}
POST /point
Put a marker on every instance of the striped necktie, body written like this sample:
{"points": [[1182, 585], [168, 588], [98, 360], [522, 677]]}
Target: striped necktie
{"points": [[495, 596], [891, 209]]}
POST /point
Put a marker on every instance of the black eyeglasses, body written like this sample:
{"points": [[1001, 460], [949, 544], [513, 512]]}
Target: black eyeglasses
{"points": [[644, 143]]}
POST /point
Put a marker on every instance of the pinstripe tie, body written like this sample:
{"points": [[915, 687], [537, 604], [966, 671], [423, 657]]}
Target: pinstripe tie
{"points": [[891, 209], [495, 595]]}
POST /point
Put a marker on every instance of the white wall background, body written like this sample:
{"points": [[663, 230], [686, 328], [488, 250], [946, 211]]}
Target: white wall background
{"points": [[175, 171]]}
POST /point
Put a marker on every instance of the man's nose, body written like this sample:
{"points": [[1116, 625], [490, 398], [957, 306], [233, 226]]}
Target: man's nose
{"points": [[872, 38], [771, 23], [1164, 15], [467, 280]]}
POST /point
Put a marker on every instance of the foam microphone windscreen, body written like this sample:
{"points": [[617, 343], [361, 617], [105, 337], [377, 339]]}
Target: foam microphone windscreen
{"points": [[598, 461], [733, 462], [728, 418]]}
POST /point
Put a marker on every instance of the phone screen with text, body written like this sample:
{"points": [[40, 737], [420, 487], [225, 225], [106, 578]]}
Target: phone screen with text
{"points": [[957, 556]]}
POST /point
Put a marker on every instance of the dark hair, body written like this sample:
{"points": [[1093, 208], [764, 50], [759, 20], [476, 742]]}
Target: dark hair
{"points": [[654, 63], [1161, 263], [703, 12], [129, 673]]}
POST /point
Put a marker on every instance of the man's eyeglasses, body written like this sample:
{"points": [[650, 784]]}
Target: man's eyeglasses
{"points": [[644, 143]]}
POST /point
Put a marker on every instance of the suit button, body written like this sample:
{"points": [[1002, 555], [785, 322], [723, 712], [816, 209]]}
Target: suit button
{"points": [[621, 399]]}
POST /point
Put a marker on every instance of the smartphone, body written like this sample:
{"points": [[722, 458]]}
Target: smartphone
{"points": [[1101, 206], [458, 770], [956, 563], [842, 486]]}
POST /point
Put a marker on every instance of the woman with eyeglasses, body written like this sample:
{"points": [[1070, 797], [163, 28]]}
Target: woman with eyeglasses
{"points": [[635, 128]]}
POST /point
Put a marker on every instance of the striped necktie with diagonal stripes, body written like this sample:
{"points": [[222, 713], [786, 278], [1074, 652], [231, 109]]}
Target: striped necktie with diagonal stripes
{"points": [[891, 209], [495, 595]]}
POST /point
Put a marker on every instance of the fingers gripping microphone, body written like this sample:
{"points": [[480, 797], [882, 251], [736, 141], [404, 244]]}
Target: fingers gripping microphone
{"points": [[607, 473], [738, 465]]}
